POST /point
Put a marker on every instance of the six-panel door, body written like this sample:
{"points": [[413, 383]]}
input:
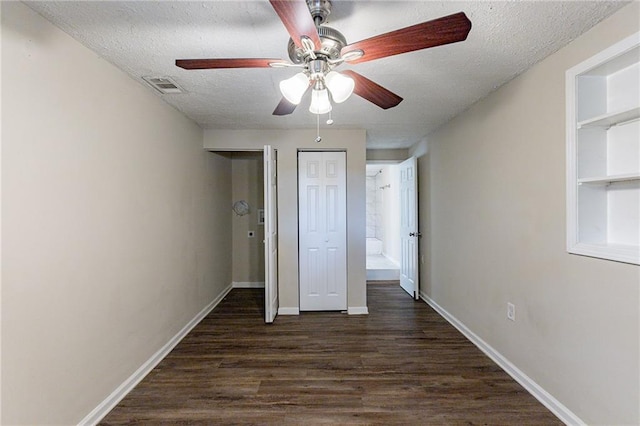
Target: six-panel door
{"points": [[322, 231]]}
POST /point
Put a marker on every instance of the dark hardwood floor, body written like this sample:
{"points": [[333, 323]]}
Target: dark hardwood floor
{"points": [[401, 364]]}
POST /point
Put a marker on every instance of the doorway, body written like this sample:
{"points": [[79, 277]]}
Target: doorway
{"points": [[247, 204], [254, 232], [383, 222]]}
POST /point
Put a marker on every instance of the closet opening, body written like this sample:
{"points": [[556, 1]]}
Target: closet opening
{"points": [[254, 240]]}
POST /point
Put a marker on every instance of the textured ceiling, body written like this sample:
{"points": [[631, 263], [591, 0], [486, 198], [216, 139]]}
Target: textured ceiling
{"points": [[144, 38]]}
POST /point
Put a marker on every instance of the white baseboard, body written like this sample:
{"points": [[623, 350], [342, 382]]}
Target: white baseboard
{"points": [[358, 310], [249, 284], [127, 386], [555, 406], [354, 310]]}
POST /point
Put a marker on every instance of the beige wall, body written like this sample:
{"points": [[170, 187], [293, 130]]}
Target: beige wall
{"points": [[116, 224], [387, 155], [287, 143], [247, 175], [496, 233]]}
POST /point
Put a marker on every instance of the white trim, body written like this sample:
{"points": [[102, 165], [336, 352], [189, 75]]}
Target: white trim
{"points": [[358, 310], [288, 311], [607, 54], [555, 406], [127, 386], [247, 284]]}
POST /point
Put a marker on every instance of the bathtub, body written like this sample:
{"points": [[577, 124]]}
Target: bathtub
{"points": [[374, 246]]}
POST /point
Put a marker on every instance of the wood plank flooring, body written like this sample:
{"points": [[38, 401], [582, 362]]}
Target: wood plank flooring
{"points": [[401, 364]]}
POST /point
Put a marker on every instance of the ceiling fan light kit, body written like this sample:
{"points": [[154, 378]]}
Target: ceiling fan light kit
{"points": [[320, 103], [295, 87], [318, 49], [341, 86]]}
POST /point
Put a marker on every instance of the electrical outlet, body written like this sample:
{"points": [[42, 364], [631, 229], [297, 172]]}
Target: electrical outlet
{"points": [[251, 234], [511, 311]]}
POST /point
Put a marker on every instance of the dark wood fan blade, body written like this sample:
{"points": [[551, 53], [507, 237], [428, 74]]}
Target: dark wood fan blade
{"points": [[297, 19], [373, 92], [284, 107], [445, 30], [205, 64]]}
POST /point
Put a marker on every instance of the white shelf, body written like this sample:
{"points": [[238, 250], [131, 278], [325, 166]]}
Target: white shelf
{"points": [[611, 119], [618, 252], [603, 151], [610, 179]]}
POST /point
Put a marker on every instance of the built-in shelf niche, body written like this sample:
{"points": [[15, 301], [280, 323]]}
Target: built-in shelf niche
{"points": [[603, 154]]}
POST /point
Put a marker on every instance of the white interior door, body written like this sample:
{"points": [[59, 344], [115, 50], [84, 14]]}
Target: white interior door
{"points": [[409, 278], [270, 235], [322, 220]]}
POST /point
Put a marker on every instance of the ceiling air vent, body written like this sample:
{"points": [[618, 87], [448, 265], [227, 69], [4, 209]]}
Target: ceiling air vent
{"points": [[164, 85]]}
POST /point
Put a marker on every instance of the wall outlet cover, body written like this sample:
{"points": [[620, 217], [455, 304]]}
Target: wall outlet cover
{"points": [[511, 311]]}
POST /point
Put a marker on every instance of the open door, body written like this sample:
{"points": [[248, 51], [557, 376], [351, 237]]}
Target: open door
{"points": [[409, 278], [270, 235]]}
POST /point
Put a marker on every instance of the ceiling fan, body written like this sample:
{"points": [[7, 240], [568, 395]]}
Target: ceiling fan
{"points": [[317, 49]]}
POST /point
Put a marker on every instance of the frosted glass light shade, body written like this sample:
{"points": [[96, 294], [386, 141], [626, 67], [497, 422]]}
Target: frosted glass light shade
{"points": [[293, 88], [320, 103], [341, 86]]}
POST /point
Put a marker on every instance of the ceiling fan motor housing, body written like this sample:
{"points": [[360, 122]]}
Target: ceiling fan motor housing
{"points": [[332, 43]]}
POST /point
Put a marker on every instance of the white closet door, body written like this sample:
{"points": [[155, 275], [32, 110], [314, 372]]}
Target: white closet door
{"points": [[322, 220], [409, 228], [270, 235]]}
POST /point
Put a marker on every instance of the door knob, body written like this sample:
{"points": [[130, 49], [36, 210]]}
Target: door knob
{"points": [[415, 234]]}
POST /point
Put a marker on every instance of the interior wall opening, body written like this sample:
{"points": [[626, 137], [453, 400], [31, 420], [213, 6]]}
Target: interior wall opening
{"points": [[383, 222], [246, 210]]}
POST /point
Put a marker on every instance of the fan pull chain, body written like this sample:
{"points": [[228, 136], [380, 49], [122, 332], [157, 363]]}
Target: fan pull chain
{"points": [[318, 137], [330, 120]]}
